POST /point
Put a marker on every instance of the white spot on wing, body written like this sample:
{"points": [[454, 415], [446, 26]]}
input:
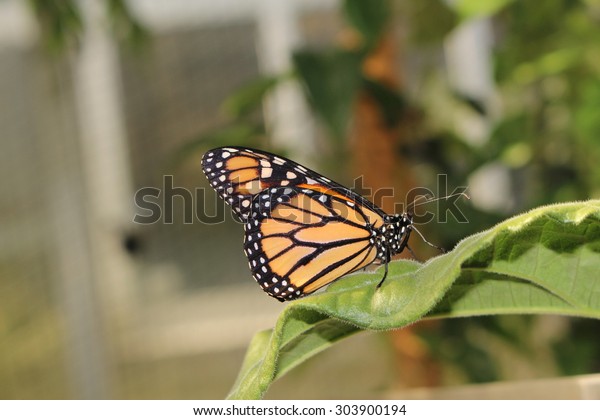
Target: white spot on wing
{"points": [[266, 172]]}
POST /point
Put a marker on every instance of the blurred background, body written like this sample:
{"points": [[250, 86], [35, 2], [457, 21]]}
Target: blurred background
{"points": [[99, 99]]}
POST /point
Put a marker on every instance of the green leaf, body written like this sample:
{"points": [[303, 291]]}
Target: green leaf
{"points": [[331, 81], [469, 9], [543, 261], [249, 97], [239, 134], [126, 24], [390, 102], [553, 63], [436, 18], [60, 22], [368, 17]]}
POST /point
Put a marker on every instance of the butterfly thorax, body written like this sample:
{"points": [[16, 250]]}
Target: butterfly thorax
{"points": [[392, 237]]}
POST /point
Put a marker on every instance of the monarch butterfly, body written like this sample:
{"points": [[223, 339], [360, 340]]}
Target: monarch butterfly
{"points": [[302, 230]]}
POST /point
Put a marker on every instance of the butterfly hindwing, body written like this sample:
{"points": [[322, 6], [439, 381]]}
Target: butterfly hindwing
{"points": [[302, 239]]}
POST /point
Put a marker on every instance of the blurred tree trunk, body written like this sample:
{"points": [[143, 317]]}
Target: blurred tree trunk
{"points": [[376, 143], [376, 146]]}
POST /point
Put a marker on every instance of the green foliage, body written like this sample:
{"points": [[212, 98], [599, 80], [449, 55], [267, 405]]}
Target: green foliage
{"points": [[369, 18], [249, 98], [330, 78], [62, 23], [546, 89], [576, 354], [331, 81], [391, 103], [544, 132], [428, 21], [544, 261], [125, 24], [469, 9], [241, 133]]}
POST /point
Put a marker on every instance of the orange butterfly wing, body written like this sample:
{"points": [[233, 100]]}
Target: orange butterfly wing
{"points": [[303, 239]]}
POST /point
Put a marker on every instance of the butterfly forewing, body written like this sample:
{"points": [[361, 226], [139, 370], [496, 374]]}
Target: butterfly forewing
{"points": [[240, 174]]}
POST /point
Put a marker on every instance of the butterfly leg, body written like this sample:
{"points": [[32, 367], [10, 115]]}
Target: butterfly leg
{"points": [[384, 275], [387, 260]]}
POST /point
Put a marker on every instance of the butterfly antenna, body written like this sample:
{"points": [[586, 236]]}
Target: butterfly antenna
{"points": [[412, 205], [439, 248], [412, 252], [415, 204]]}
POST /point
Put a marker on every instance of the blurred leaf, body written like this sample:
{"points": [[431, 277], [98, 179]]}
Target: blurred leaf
{"points": [[249, 97], [239, 134], [469, 9], [475, 104], [587, 129], [125, 24], [60, 22], [512, 130], [457, 346], [554, 62], [368, 17], [448, 153], [428, 21], [544, 261], [390, 102], [331, 81], [578, 353]]}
